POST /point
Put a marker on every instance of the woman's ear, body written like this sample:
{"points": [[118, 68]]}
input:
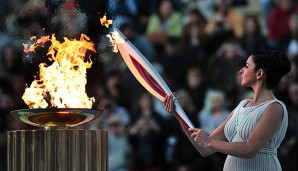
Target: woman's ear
{"points": [[260, 73]]}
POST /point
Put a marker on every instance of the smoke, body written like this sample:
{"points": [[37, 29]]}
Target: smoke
{"points": [[21, 19]]}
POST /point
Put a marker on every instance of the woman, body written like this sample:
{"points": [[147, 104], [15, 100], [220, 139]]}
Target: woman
{"points": [[254, 130], [252, 39], [166, 23], [215, 111], [146, 137]]}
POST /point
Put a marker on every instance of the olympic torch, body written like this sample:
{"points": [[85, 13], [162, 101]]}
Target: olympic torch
{"points": [[148, 77]]}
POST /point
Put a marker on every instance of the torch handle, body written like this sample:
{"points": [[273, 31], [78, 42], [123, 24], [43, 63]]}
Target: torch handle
{"points": [[184, 122]]}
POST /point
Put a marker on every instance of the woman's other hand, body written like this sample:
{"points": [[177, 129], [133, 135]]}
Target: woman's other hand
{"points": [[200, 137]]}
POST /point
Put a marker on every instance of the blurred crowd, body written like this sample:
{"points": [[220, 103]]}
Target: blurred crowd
{"points": [[197, 46]]}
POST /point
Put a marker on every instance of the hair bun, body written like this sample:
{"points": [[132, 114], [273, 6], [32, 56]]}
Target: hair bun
{"points": [[280, 62]]}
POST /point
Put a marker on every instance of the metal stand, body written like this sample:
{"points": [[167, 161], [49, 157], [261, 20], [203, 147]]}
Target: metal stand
{"points": [[57, 150]]}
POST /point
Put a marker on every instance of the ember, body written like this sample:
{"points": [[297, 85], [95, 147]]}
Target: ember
{"points": [[105, 22]]}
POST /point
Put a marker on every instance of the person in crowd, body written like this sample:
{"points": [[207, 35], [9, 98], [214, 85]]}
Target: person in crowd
{"points": [[278, 21], [165, 23], [289, 148], [289, 42], [115, 87], [76, 20], [217, 113], [179, 153], [174, 62], [252, 39], [145, 10], [193, 38], [145, 136], [213, 114], [266, 6], [138, 40], [206, 7], [110, 107], [227, 18], [256, 127], [196, 86], [225, 63], [281, 90], [119, 147]]}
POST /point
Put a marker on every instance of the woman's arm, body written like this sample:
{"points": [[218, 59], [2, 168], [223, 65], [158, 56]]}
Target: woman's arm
{"points": [[217, 134], [264, 130]]}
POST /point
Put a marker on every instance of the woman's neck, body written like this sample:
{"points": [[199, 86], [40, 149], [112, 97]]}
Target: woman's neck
{"points": [[262, 95]]}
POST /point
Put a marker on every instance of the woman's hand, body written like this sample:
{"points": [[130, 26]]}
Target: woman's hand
{"points": [[200, 137], [168, 104]]}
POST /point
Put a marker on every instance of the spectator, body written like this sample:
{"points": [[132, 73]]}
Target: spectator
{"points": [[111, 108], [289, 42], [206, 7], [278, 23], [252, 40], [281, 90], [145, 9], [146, 136], [119, 148], [114, 84], [138, 40], [174, 62], [217, 113], [223, 66], [289, 149], [167, 22], [266, 6], [194, 38], [227, 18], [196, 86], [75, 19], [180, 153]]}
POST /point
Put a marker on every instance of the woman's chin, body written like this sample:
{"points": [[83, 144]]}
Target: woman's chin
{"points": [[243, 84]]}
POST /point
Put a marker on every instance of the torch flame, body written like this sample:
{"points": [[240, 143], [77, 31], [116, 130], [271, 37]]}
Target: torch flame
{"points": [[105, 22], [62, 84], [114, 39]]}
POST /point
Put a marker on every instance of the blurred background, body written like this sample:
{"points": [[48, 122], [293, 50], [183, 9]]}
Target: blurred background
{"points": [[198, 47]]}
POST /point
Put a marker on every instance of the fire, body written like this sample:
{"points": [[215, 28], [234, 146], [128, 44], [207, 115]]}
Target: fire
{"points": [[40, 42], [106, 22], [61, 84], [114, 39]]}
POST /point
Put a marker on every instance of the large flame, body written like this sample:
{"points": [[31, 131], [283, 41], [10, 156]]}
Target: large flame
{"points": [[62, 84]]}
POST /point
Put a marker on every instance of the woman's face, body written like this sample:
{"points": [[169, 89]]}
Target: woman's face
{"points": [[247, 73]]}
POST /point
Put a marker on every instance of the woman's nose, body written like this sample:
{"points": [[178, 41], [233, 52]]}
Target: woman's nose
{"points": [[241, 71]]}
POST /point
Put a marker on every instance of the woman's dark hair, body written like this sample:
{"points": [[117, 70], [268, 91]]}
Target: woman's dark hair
{"points": [[275, 65]]}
